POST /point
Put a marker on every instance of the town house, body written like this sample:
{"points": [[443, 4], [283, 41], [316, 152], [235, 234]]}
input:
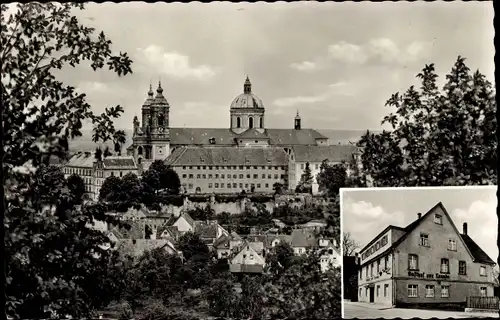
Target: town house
{"points": [[427, 264]]}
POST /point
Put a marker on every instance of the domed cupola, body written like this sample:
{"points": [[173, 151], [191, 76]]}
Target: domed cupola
{"points": [[247, 110], [150, 99], [160, 99]]}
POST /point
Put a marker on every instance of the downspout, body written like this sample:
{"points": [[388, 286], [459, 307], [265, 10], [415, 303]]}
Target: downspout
{"points": [[393, 280]]}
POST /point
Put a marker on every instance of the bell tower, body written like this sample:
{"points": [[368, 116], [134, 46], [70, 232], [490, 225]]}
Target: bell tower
{"points": [[151, 141], [297, 124]]}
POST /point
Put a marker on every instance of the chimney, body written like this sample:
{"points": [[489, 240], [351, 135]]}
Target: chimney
{"points": [[465, 228], [419, 215]]}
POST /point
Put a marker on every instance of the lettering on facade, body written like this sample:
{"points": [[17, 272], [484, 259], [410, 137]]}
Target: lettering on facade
{"points": [[416, 274]]}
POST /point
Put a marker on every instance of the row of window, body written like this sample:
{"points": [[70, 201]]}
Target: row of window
{"points": [[379, 244], [375, 267], [367, 292], [445, 266], [234, 176], [232, 185], [424, 242], [232, 167], [250, 122], [316, 166], [78, 171], [429, 291]]}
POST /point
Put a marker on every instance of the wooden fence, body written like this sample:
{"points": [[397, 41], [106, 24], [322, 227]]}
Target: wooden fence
{"points": [[490, 303]]}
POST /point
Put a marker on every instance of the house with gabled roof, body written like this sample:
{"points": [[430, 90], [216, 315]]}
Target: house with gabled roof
{"points": [[329, 257], [303, 241], [429, 264], [248, 260]]}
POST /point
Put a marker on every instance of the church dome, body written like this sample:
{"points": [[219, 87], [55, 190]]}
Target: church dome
{"points": [[247, 100]]}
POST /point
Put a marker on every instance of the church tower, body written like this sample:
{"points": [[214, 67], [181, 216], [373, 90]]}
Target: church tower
{"points": [[151, 141], [246, 111], [297, 124]]}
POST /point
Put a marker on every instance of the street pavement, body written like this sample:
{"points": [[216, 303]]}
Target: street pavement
{"points": [[362, 310]]}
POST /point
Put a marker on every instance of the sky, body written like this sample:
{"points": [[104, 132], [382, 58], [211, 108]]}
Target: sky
{"points": [[365, 213], [336, 63]]}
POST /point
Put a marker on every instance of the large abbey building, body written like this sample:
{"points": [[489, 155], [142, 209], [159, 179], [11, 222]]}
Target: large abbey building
{"points": [[212, 159], [245, 156]]}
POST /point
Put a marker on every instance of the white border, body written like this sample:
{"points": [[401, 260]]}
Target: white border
{"points": [[372, 189]]}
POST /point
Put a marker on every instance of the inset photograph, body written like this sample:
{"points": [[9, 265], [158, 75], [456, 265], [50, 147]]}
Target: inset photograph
{"points": [[420, 252]]}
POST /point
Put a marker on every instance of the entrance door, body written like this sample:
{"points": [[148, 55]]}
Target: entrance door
{"points": [[372, 294]]}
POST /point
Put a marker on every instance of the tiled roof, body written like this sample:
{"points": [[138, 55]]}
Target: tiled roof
{"points": [[136, 230], [139, 246], [303, 238], [291, 137], [227, 156], [168, 232], [225, 137], [335, 153], [235, 236], [121, 162], [201, 136], [82, 160], [478, 253], [206, 230], [133, 213], [253, 134], [222, 243], [188, 218]]}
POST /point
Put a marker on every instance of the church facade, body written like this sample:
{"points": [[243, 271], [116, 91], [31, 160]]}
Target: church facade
{"points": [[184, 148]]}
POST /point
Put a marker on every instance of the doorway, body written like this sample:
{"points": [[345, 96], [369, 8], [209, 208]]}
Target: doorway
{"points": [[372, 294]]}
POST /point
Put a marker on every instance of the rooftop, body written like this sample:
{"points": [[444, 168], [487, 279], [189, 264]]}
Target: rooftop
{"points": [[334, 153], [227, 156]]}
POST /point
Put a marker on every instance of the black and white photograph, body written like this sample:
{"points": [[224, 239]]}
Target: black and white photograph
{"points": [[185, 160], [420, 252]]}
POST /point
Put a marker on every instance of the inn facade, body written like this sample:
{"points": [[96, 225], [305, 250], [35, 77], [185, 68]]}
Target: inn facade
{"points": [[429, 263]]}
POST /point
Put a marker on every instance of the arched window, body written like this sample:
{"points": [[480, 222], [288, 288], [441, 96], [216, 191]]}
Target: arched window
{"points": [[139, 150], [250, 122], [261, 122], [160, 119], [238, 122], [198, 190]]}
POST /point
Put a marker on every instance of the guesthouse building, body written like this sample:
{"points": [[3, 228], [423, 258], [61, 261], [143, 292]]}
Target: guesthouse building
{"points": [[427, 264]]}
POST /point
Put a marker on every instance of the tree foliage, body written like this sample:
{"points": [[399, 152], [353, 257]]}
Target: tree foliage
{"points": [[331, 178], [55, 264], [445, 137], [162, 177], [349, 245], [76, 187], [306, 180]]}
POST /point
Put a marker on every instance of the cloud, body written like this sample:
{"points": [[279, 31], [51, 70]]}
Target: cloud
{"points": [[384, 49], [174, 64], [379, 49], [304, 66], [347, 52], [93, 86], [481, 219], [292, 101], [374, 219], [342, 88]]}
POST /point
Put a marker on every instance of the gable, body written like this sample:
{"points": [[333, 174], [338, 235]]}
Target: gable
{"points": [[438, 235]]}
